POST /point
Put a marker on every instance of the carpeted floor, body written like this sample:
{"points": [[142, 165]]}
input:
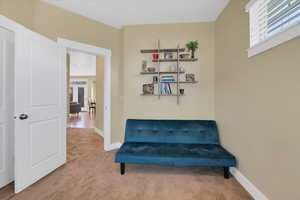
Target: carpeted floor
{"points": [[91, 174]]}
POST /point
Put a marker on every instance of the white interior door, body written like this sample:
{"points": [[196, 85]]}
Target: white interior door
{"points": [[40, 108], [6, 106]]}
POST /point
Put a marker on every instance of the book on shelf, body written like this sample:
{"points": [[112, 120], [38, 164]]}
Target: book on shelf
{"points": [[167, 79], [165, 89]]}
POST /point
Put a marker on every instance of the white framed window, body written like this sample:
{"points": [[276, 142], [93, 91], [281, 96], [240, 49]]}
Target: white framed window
{"points": [[272, 22]]}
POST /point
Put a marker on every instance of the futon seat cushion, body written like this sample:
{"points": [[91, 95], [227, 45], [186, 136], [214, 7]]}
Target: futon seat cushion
{"points": [[178, 154]]}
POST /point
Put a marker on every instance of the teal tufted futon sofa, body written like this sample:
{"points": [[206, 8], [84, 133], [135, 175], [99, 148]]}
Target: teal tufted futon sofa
{"points": [[173, 142]]}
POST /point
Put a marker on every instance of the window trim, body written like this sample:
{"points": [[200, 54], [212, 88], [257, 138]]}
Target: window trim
{"points": [[281, 37], [275, 40], [249, 5]]}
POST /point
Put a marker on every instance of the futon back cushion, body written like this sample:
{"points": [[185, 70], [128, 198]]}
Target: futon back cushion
{"points": [[172, 131]]}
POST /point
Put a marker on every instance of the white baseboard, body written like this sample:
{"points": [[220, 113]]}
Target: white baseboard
{"points": [[253, 191], [113, 146], [100, 132], [109, 147]]}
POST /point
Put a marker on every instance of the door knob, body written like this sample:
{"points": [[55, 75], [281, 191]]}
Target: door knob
{"points": [[23, 117]]}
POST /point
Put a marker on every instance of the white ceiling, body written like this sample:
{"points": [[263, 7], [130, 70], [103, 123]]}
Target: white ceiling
{"points": [[119, 13]]}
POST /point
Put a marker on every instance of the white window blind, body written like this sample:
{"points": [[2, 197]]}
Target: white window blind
{"points": [[268, 17]]}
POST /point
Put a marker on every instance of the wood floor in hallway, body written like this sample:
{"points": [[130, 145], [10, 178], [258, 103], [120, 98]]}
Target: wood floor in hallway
{"points": [[82, 120], [91, 174]]}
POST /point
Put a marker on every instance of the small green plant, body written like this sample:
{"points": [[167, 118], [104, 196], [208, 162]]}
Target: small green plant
{"points": [[192, 46], [144, 65]]}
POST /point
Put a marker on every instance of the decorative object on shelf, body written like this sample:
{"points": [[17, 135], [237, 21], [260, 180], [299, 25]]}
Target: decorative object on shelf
{"points": [[144, 66], [167, 79], [148, 89], [151, 69], [155, 56], [192, 46], [181, 68], [184, 55], [190, 77], [181, 91], [168, 55], [155, 79]]}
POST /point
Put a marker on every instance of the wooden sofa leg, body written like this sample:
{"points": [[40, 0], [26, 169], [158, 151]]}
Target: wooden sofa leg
{"points": [[226, 172], [122, 168]]}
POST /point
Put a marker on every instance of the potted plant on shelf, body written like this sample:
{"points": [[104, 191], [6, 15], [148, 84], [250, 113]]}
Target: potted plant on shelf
{"points": [[144, 66], [192, 46]]}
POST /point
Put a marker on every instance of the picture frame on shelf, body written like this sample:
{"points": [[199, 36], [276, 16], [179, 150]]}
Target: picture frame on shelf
{"points": [[148, 89], [190, 77]]}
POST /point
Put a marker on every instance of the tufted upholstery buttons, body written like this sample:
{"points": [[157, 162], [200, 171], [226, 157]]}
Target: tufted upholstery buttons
{"points": [[139, 130], [177, 131]]}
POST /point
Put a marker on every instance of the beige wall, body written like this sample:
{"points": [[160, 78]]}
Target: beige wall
{"points": [[54, 22], [20, 11], [257, 105], [199, 100], [100, 92]]}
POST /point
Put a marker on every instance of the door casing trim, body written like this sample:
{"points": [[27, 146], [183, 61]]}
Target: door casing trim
{"points": [[106, 53]]}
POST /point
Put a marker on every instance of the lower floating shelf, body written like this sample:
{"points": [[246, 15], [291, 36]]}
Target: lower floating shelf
{"points": [[181, 82], [171, 95]]}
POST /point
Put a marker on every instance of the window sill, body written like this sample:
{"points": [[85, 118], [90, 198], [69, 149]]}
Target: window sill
{"points": [[284, 36]]}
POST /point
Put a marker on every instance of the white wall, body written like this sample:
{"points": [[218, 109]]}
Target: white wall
{"points": [[82, 64]]}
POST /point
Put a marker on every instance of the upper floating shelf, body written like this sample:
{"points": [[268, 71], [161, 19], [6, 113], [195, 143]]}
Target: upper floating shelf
{"points": [[161, 50], [175, 60], [146, 73]]}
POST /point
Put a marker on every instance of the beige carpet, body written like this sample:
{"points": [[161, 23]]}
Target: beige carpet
{"points": [[91, 174]]}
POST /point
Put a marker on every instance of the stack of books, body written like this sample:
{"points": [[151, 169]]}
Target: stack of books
{"points": [[167, 79], [165, 89]]}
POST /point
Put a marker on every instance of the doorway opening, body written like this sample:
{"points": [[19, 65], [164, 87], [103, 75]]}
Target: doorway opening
{"points": [[83, 87], [85, 113]]}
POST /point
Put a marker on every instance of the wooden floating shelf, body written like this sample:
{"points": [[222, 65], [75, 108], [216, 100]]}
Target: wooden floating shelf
{"points": [[166, 95], [149, 73], [182, 82], [161, 50], [175, 60]]}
